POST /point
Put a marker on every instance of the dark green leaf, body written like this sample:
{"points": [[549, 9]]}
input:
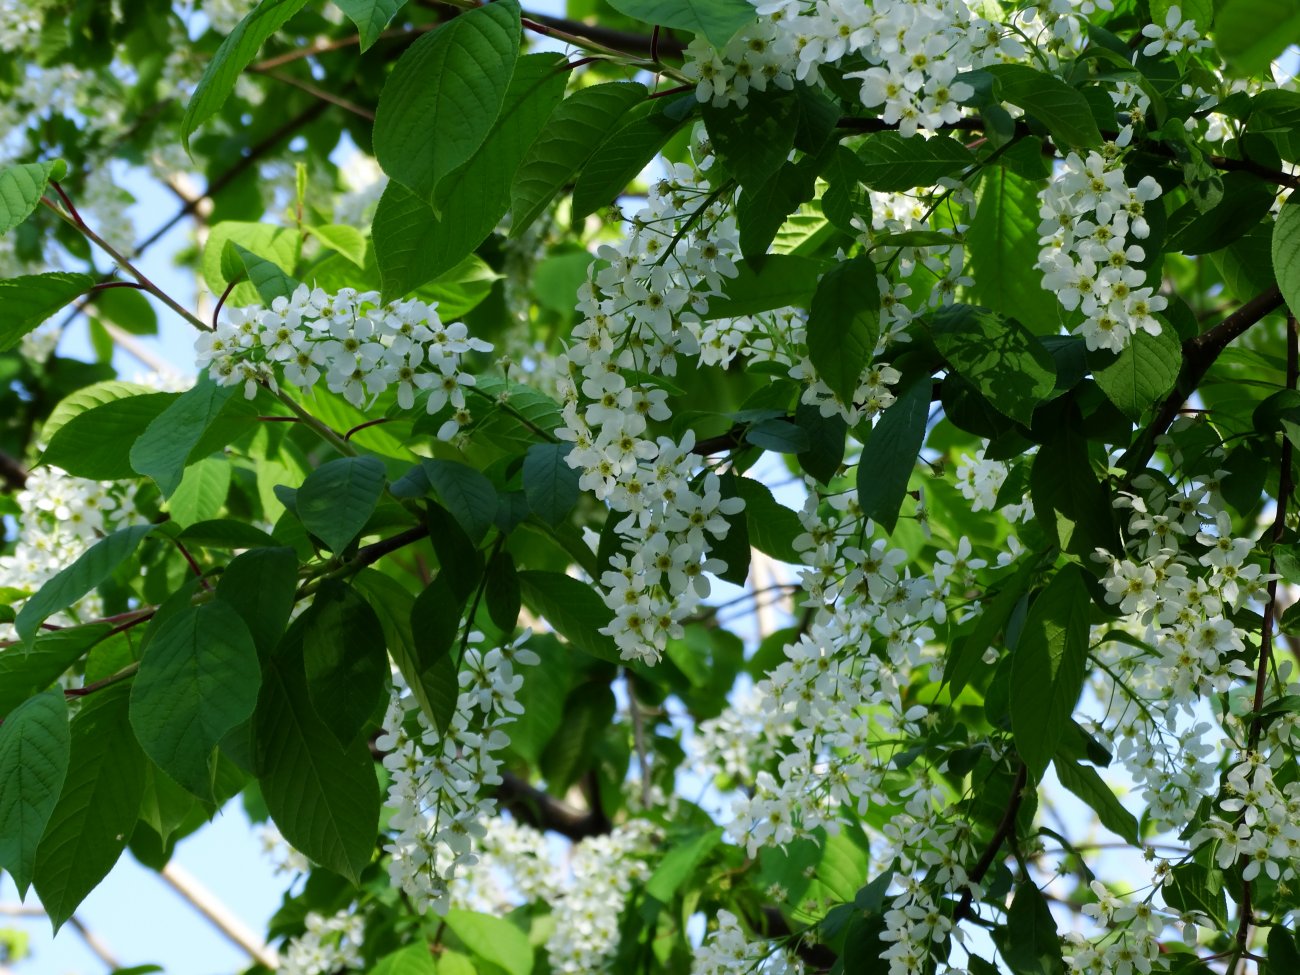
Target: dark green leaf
{"points": [[338, 498], [573, 609], [1061, 108], [550, 484], [435, 625], [1048, 666], [34, 749], [826, 437], [463, 491], [715, 20], [1012, 370], [1070, 504], [29, 672], [1085, 783], [772, 526], [370, 16], [163, 450], [198, 680], [97, 807], [891, 162], [571, 136], [781, 280], [93, 566], [392, 603], [967, 654], [844, 324], [623, 154], [779, 435], [1031, 946], [21, 189], [891, 451], [755, 141], [1143, 374], [266, 276], [260, 585], [344, 659], [89, 444], [444, 95], [1251, 33], [232, 57], [679, 863], [1286, 253], [29, 299], [502, 591]]}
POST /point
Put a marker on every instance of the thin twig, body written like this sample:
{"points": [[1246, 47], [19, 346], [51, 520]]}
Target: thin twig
{"points": [[1005, 828], [322, 94]]}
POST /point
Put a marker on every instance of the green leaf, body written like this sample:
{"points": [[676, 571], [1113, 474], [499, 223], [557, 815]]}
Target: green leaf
{"points": [[97, 807], [86, 398], [345, 240], [1047, 668], [1002, 248], [501, 591], [29, 672], [163, 450], [844, 325], [623, 154], [715, 20], [493, 939], [891, 162], [781, 280], [1070, 504], [322, 796], [573, 609], [435, 623], [444, 95], [344, 659], [370, 16], [550, 484], [1250, 34], [1143, 374], [260, 586], [221, 264], [1286, 254], [999, 357], [202, 491], [29, 299], [966, 654], [1031, 945], [574, 131], [779, 435], [198, 680], [21, 189], [266, 276], [34, 750], [1087, 784], [1061, 108], [753, 142], [467, 494], [826, 442], [392, 603], [411, 960], [772, 526], [89, 444], [890, 453], [679, 863], [338, 498], [232, 57], [1283, 954], [412, 243], [71, 583]]}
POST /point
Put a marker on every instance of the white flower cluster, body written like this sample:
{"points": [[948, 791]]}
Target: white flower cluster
{"points": [[283, 857], [1177, 35], [330, 945], [438, 782], [1090, 217], [1133, 945], [603, 871], [727, 951], [60, 517], [914, 50], [980, 480], [514, 866], [360, 347]]}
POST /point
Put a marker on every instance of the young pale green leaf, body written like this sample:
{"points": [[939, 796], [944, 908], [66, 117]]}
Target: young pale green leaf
{"points": [[344, 658], [34, 749], [844, 324], [86, 398], [411, 960], [338, 498], [412, 243], [891, 451], [1030, 944], [550, 484], [1001, 250], [1286, 254], [89, 444], [781, 280], [164, 450], [322, 796], [578, 126], [222, 266], [71, 583], [715, 20], [342, 239], [232, 57], [198, 679], [370, 16], [97, 808], [1143, 374], [891, 162], [266, 276], [493, 939], [202, 491], [574, 610], [623, 154], [1085, 783], [260, 585], [29, 299], [1048, 667], [443, 97], [21, 189], [999, 357], [1250, 34], [1061, 108]]}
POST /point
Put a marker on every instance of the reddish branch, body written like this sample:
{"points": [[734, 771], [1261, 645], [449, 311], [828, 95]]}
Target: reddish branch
{"points": [[1284, 488], [1005, 830]]}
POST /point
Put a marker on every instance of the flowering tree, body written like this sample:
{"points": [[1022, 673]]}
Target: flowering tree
{"points": [[954, 332]]}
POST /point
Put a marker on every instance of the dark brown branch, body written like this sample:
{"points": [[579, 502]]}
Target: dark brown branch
{"points": [[1005, 829], [627, 41], [536, 808], [12, 472], [1199, 354]]}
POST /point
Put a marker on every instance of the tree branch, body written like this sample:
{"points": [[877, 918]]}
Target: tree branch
{"points": [[12, 472], [536, 808], [1005, 828]]}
